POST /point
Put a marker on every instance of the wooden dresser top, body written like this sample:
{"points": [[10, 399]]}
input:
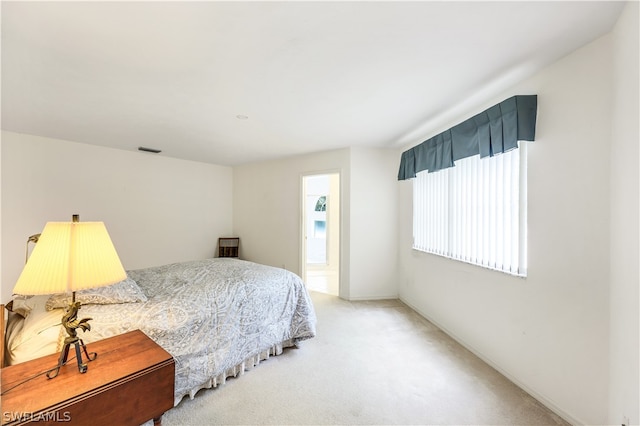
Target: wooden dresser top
{"points": [[120, 358]]}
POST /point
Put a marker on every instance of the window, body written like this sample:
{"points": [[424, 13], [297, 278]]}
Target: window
{"points": [[475, 212]]}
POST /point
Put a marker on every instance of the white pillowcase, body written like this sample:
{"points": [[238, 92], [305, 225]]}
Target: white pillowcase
{"points": [[38, 334], [22, 305]]}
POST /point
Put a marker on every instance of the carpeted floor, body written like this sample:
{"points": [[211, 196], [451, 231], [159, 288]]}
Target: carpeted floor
{"points": [[372, 363]]}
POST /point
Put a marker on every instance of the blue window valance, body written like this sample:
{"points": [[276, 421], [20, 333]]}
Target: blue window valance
{"points": [[493, 131]]}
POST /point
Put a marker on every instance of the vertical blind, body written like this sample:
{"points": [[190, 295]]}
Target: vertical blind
{"points": [[475, 211], [469, 191]]}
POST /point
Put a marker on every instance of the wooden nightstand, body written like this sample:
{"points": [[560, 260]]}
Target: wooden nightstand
{"points": [[130, 382]]}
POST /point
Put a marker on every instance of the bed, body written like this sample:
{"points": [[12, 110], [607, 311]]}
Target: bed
{"points": [[216, 317]]}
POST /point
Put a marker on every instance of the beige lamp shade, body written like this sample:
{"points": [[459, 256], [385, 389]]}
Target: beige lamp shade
{"points": [[70, 256]]}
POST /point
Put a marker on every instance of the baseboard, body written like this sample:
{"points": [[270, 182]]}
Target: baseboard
{"points": [[541, 398], [363, 299]]}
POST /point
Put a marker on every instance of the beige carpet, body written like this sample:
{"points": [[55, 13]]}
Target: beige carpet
{"points": [[372, 363]]}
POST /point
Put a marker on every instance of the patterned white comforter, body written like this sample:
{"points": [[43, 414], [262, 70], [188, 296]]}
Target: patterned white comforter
{"points": [[212, 315]]}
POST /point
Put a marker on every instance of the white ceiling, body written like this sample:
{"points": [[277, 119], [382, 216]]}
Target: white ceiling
{"points": [[310, 76]]}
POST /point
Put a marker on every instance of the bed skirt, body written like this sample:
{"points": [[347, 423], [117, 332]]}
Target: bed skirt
{"points": [[238, 370]]}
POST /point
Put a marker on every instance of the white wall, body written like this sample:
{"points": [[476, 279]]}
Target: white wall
{"points": [[267, 215], [624, 400], [266, 205], [374, 218], [157, 209], [548, 332], [3, 299]]}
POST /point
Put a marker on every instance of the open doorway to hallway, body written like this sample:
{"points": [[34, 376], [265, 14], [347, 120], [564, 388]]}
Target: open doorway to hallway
{"points": [[321, 232]]}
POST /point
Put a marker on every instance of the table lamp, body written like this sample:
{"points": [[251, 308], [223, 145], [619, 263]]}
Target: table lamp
{"points": [[71, 256]]}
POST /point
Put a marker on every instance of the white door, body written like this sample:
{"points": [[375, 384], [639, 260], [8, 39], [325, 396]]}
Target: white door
{"points": [[321, 232]]}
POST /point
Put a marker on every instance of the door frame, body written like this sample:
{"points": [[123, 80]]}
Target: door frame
{"points": [[302, 216]]}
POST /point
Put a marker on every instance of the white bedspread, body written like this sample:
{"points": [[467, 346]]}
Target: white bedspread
{"points": [[214, 316]]}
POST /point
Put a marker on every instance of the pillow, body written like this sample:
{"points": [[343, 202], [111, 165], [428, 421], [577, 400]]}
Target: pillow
{"points": [[23, 305], [37, 335], [125, 291]]}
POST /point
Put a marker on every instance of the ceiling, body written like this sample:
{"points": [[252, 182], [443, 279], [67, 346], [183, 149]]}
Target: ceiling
{"points": [[237, 82]]}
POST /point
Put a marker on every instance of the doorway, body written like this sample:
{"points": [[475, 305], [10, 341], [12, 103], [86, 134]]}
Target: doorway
{"points": [[321, 232]]}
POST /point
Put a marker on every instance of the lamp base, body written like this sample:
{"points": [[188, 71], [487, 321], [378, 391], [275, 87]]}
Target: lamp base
{"points": [[71, 323], [64, 355]]}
